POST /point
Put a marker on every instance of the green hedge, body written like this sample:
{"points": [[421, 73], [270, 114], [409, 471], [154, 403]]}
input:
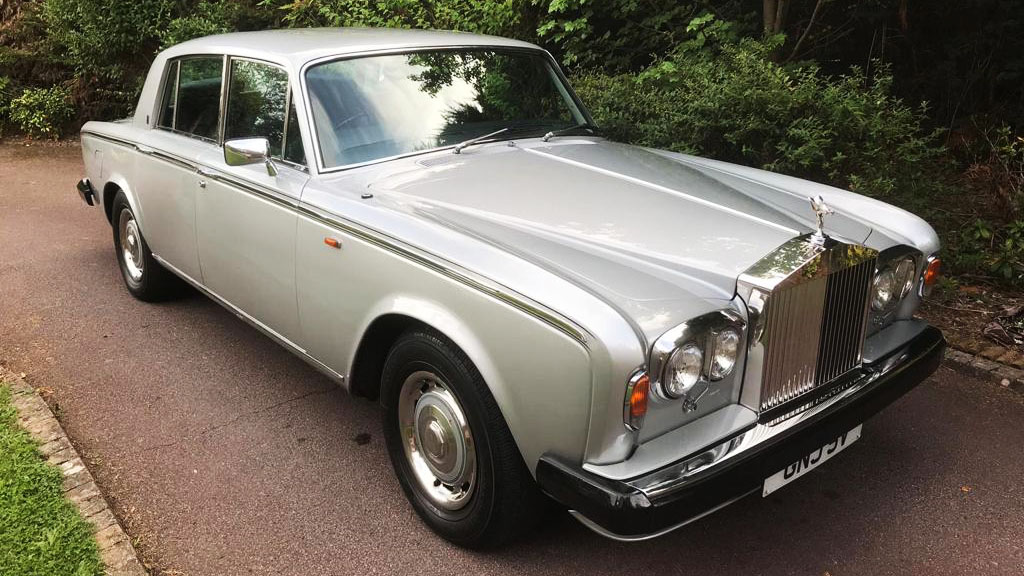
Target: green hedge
{"points": [[42, 112], [737, 105]]}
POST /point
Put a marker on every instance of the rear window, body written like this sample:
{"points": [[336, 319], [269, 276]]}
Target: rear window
{"points": [[191, 99]]}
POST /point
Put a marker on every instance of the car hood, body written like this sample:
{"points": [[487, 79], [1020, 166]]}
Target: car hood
{"points": [[646, 230]]}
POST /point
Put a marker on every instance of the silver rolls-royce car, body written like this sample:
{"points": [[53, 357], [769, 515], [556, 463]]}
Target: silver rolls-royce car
{"points": [[433, 221]]}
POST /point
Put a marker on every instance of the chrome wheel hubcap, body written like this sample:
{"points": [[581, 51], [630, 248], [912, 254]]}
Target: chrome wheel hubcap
{"points": [[437, 440], [131, 245]]}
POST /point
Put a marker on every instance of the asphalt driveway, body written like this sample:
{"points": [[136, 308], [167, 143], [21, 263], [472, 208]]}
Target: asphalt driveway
{"points": [[227, 455]]}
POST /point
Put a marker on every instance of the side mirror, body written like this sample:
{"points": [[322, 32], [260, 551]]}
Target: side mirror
{"points": [[246, 151]]}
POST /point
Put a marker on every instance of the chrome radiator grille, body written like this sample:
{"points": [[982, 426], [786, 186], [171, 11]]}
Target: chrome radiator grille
{"points": [[842, 327], [791, 339], [813, 302]]}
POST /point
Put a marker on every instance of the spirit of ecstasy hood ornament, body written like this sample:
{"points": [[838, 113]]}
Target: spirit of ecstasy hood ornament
{"points": [[820, 210]]}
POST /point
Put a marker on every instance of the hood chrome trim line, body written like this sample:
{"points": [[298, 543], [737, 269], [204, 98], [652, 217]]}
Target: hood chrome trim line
{"points": [[664, 189]]}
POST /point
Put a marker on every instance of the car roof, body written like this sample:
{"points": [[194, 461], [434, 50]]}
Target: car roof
{"points": [[300, 45]]}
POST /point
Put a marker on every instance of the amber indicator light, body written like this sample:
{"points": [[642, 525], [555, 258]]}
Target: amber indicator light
{"points": [[332, 242], [638, 399], [931, 274]]}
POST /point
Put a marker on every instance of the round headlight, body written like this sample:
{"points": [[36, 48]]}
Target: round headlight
{"points": [[904, 276], [727, 344], [882, 290], [683, 370]]}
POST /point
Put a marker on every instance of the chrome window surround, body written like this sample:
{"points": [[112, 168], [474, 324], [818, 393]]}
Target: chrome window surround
{"points": [[287, 103], [797, 262], [322, 169], [222, 112], [176, 63]]}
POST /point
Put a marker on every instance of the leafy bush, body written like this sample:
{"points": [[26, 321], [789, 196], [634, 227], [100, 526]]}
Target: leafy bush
{"points": [[104, 38], [503, 17], [5, 97], [205, 20], [729, 100], [985, 250], [996, 169], [615, 35], [42, 112]]}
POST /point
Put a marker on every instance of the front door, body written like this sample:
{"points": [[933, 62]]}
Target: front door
{"points": [[245, 217]]}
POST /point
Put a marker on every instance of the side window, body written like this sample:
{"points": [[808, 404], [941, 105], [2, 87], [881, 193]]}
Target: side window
{"points": [[257, 97], [170, 97], [198, 96], [293, 151]]}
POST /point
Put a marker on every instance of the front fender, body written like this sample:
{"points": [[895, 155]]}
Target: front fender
{"points": [[540, 378]]}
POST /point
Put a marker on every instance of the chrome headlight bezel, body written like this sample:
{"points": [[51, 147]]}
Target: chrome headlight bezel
{"points": [[902, 266], [701, 333]]}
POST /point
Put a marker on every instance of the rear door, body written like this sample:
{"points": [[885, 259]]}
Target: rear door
{"points": [[166, 181], [246, 217]]}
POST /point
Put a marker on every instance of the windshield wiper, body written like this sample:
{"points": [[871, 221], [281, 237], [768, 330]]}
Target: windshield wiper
{"points": [[569, 129], [458, 147]]}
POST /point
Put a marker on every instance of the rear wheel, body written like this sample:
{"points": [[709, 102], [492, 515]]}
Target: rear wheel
{"points": [[451, 449], [144, 277]]}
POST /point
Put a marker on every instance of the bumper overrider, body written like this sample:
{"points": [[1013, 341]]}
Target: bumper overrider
{"points": [[666, 499], [86, 192]]}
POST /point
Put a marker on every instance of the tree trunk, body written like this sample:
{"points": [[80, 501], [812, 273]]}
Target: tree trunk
{"points": [[770, 12]]}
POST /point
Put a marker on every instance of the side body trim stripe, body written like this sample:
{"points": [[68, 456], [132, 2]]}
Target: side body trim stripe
{"points": [[425, 259]]}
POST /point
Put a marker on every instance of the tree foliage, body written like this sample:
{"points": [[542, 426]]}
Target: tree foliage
{"points": [[731, 101], [858, 94]]}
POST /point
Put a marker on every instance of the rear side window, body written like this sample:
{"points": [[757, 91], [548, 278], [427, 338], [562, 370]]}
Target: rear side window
{"points": [[191, 100], [257, 97]]}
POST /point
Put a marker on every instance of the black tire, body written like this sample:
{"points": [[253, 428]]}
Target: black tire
{"points": [[505, 501], [151, 282]]}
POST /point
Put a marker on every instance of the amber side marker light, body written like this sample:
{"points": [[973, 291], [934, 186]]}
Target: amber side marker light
{"points": [[931, 275], [332, 242], [637, 394]]}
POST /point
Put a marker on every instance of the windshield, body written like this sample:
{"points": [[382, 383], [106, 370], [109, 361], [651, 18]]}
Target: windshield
{"points": [[374, 107]]}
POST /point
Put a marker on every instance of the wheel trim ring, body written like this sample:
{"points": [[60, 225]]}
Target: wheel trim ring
{"points": [[425, 395], [131, 245]]}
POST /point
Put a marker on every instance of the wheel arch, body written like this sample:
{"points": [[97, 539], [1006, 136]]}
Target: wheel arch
{"points": [[115, 184], [377, 340], [384, 328], [397, 315]]}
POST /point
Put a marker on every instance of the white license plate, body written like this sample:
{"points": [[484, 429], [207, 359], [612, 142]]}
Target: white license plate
{"points": [[809, 462]]}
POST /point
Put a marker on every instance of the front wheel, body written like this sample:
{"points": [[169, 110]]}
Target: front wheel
{"points": [[451, 449]]}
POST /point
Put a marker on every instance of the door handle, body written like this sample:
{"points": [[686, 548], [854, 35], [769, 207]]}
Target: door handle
{"points": [[205, 172], [144, 149]]}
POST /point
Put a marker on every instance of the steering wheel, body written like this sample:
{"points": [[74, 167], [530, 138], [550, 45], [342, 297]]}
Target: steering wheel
{"points": [[361, 114]]}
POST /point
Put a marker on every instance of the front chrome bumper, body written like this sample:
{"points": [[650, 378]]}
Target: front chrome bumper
{"points": [[665, 499]]}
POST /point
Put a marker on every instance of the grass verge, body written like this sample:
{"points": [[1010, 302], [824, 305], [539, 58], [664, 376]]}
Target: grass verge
{"points": [[41, 532]]}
